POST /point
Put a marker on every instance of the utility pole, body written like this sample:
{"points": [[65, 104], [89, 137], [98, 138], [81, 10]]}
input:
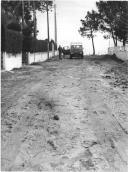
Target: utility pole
{"points": [[22, 27], [55, 22], [34, 19], [47, 27]]}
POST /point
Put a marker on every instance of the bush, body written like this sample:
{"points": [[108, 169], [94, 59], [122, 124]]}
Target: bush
{"points": [[55, 46], [27, 41], [14, 26], [13, 42], [33, 45], [2, 38], [38, 45], [50, 45]]}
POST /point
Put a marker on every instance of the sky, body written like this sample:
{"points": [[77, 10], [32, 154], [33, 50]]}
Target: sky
{"points": [[69, 14]]}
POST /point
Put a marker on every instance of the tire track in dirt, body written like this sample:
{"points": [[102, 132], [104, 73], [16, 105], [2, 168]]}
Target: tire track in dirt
{"points": [[66, 123], [108, 130]]}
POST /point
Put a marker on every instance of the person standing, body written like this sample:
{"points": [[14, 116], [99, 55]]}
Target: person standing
{"points": [[63, 52], [60, 51]]}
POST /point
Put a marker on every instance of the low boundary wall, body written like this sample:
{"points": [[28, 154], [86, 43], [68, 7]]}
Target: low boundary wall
{"points": [[11, 61], [120, 51], [39, 57], [15, 61]]}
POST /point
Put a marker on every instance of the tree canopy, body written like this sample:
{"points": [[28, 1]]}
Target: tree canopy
{"points": [[111, 19], [114, 19], [14, 9]]}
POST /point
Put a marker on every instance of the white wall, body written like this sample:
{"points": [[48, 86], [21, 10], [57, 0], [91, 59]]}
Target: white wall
{"points": [[12, 61], [39, 57], [15, 61], [120, 52]]}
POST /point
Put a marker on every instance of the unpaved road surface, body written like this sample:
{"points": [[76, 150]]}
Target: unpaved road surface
{"points": [[64, 116]]}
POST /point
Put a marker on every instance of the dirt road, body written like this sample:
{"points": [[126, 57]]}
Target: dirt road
{"points": [[64, 116]]}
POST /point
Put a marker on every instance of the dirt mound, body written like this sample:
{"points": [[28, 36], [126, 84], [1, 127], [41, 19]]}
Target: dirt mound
{"points": [[120, 75]]}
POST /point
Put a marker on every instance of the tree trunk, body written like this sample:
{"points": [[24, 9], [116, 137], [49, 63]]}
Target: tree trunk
{"points": [[93, 46], [124, 42], [116, 42], [113, 39]]}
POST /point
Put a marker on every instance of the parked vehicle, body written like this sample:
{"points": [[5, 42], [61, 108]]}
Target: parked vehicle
{"points": [[76, 50], [66, 50]]}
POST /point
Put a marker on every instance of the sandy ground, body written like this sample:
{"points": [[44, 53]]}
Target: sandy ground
{"points": [[64, 116]]}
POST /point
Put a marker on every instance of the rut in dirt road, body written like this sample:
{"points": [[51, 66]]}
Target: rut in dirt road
{"points": [[68, 119]]}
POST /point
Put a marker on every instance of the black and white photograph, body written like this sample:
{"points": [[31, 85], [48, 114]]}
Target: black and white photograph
{"points": [[64, 86]]}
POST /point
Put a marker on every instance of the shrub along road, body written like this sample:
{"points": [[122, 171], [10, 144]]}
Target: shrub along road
{"points": [[65, 115]]}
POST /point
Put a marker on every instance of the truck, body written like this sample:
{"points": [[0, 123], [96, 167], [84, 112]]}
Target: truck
{"points": [[76, 50]]}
